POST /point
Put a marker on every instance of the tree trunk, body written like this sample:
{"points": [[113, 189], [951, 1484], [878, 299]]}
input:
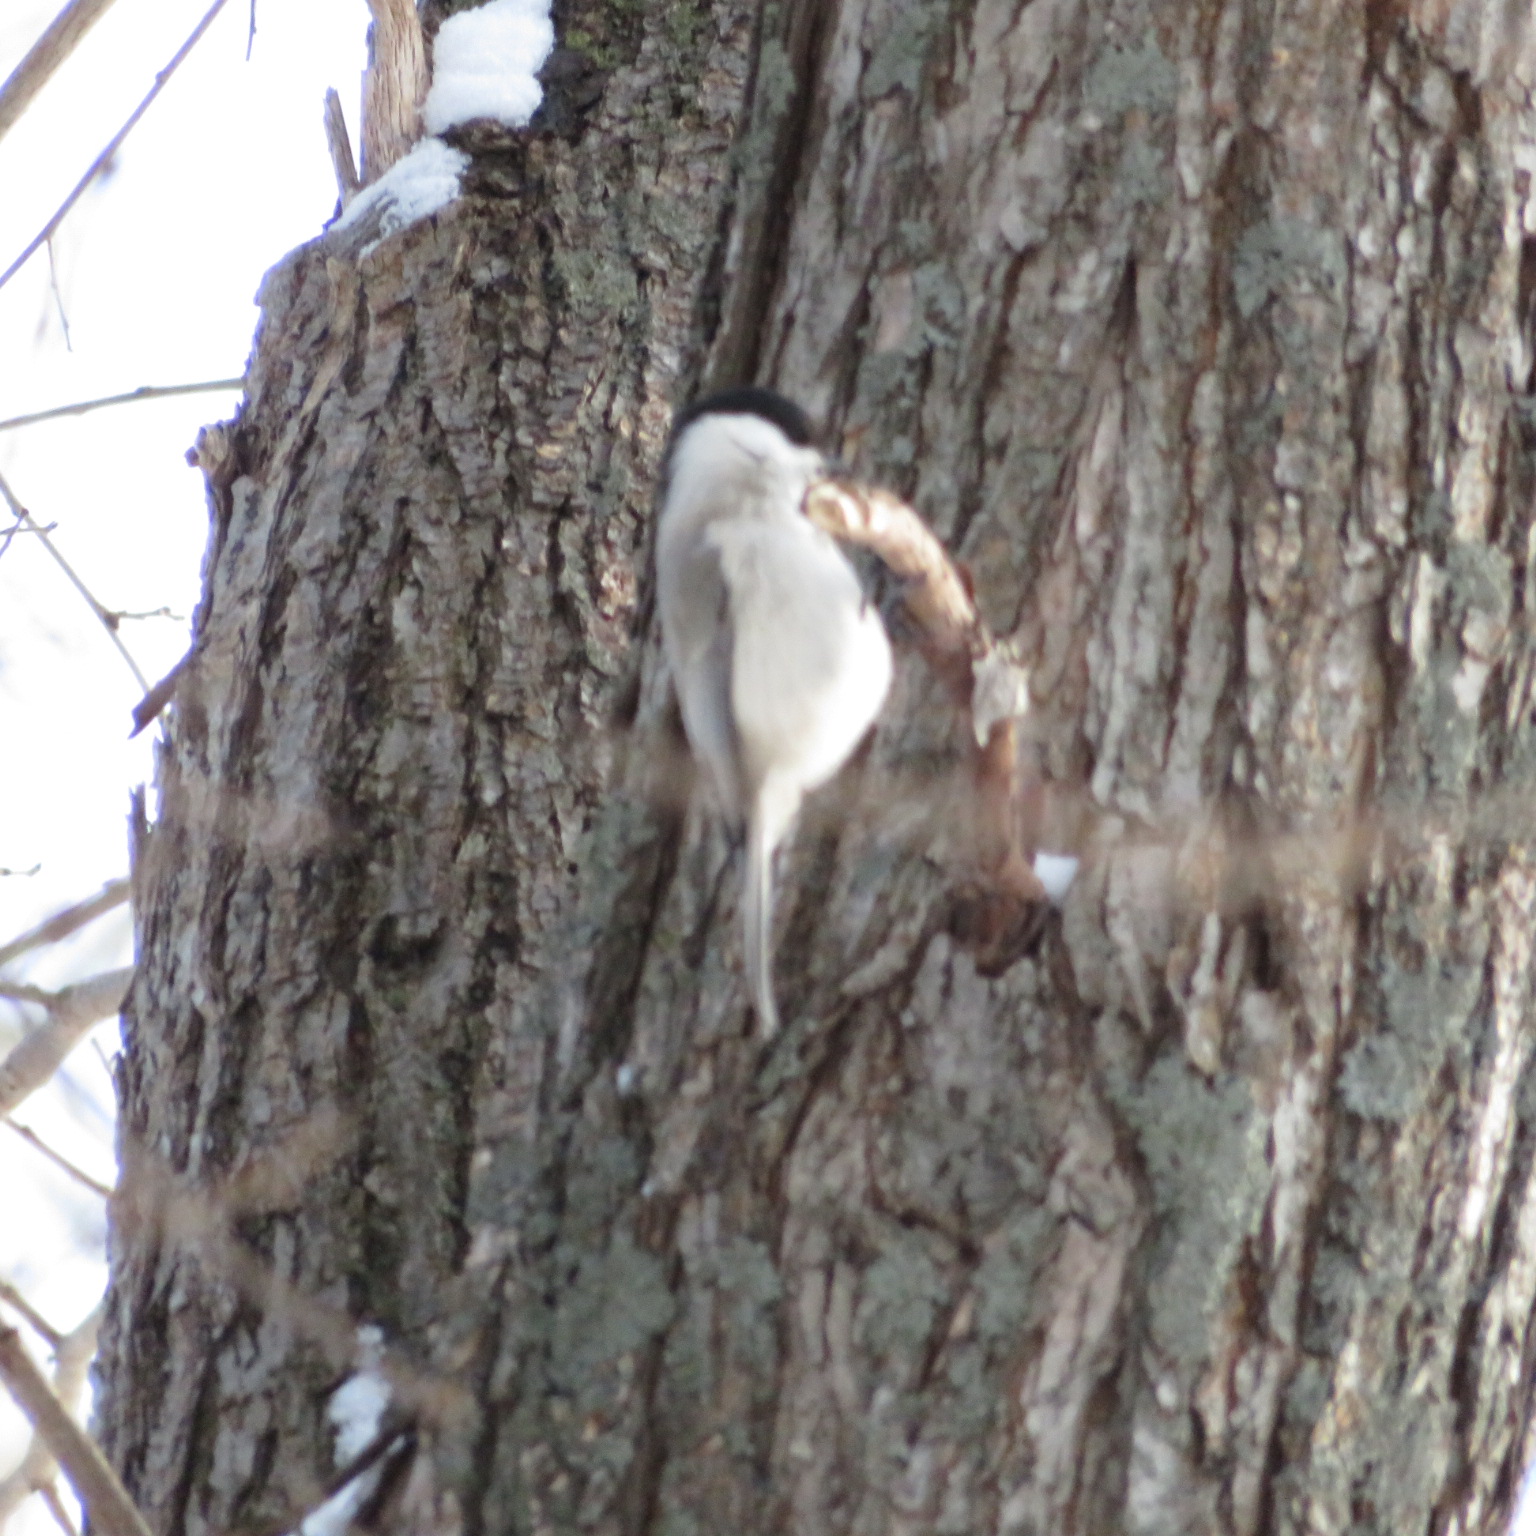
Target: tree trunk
{"points": [[1201, 334]]}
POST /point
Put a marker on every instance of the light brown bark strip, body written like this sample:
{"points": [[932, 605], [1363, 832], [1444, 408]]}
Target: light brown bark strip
{"points": [[937, 594], [394, 87], [997, 689]]}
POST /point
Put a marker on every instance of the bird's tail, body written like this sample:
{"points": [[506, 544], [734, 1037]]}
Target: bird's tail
{"points": [[757, 919]]}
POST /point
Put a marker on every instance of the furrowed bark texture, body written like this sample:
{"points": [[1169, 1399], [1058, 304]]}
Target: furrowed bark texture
{"points": [[1201, 334]]}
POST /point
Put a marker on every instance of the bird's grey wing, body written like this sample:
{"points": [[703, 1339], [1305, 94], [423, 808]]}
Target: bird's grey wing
{"points": [[701, 665]]}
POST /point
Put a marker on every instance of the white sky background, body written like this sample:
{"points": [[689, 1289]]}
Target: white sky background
{"points": [[158, 268]]}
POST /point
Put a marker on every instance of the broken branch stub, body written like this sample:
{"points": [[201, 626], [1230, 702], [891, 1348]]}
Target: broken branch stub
{"points": [[394, 87]]}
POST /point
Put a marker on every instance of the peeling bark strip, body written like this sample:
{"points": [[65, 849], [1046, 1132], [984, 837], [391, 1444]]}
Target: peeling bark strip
{"points": [[936, 592], [1201, 335], [989, 679]]}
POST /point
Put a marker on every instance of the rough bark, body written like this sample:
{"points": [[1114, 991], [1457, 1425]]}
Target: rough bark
{"points": [[1201, 333]]}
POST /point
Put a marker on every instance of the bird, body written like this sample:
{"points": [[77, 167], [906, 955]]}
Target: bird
{"points": [[779, 662]]}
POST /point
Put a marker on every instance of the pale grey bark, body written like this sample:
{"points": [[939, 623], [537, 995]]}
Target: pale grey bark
{"points": [[1202, 335]]}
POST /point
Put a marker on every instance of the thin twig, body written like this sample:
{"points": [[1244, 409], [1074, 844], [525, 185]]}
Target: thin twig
{"points": [[38, 1323], [19, 873], [106, 1501], [101, 613], [79, 1175], [143, 392], [250, 37], [111, 896], [17, 526], [44, 56], [118, 615], [101, 160], [58, 298], [20, 525], [50, 1497]]}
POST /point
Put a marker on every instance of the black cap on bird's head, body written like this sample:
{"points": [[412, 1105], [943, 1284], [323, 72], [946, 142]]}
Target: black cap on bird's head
{"points": [[750, 400]]}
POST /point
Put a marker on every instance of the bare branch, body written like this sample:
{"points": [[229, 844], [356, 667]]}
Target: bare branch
{"points": [[340, 147], [106, 1501], [70, 920], [39, 1324], [37, 1471], [46, 232], [71, 1013], [143, 392], [79, 1175], [394, 87], [31, 524], [72, 1354], [24, 992], [44, 57]]}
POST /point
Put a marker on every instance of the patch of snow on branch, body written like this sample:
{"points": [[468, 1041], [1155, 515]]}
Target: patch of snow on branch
{"points": [[484, 62], [417, 185]]}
